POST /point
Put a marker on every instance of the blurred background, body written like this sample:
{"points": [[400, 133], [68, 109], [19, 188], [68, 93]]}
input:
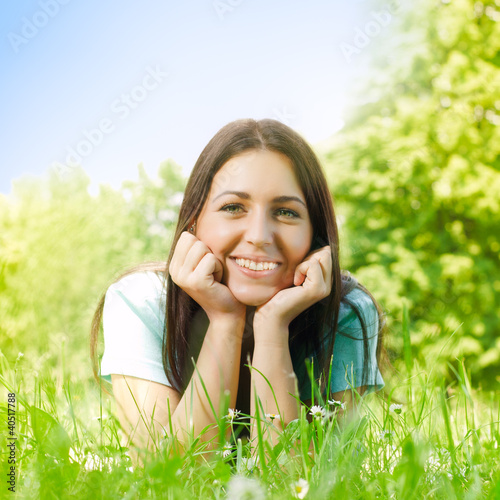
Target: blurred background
{"points": [[106, 107]]}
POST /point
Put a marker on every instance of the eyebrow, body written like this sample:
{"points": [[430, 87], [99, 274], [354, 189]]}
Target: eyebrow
{"points": [[246, 196]]}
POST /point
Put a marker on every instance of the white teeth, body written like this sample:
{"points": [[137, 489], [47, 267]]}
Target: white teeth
{"points": [[260, 266]]}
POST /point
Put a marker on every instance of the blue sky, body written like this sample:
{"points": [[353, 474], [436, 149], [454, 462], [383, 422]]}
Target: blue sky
{"points": [[159, 78]]}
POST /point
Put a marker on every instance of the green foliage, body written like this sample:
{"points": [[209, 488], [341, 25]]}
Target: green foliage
{"points": [[60, 247], [416, 177]]}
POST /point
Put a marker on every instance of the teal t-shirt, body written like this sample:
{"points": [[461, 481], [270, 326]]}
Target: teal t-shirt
{"points": [[133, 318], [348, 363]]}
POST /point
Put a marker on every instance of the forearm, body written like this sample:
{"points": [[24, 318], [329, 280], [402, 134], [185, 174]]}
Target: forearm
{"points": [[272, 359], [218, 368]]}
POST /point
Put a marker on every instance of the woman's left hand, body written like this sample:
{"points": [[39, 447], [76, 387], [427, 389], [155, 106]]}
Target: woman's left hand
{"points": [[313, 282]]}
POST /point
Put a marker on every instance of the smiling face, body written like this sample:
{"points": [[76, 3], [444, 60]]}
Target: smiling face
{"points": [[255, 216]]}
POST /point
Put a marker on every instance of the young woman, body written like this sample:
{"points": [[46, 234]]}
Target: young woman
{"points": [[252, 277]]}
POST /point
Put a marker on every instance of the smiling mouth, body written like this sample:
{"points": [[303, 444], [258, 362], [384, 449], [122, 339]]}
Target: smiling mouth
{"points": [[256, 266], [250, 267]]}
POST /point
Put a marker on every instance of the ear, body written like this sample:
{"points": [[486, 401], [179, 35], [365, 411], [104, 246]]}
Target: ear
{"points": [[192, 226]]}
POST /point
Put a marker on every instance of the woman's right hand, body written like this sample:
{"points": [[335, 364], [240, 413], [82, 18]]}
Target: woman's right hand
{"points": [[198, 272]]}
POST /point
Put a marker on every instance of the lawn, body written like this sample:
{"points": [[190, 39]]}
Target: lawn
{"points": [[422, 438]]}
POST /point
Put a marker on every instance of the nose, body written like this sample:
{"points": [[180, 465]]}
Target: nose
{"points": [[259, 231]]}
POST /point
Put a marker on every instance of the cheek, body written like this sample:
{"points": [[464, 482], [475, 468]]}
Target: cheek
{"points": [[297, 251], [287, 280], [296, 255], [216, 236]]}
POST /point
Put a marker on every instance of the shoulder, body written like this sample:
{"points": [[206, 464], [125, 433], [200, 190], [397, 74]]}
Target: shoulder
{"points": [[137, 285], [357, 306], [133, 321], [139, 294]]}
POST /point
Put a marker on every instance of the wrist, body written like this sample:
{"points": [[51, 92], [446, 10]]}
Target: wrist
{"points": [[263, 321], [233, 325], [272, 334], [274, 345]]}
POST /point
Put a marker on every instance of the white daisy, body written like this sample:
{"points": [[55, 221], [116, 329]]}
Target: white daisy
{"points": [[317, 411], [232, 414], [300, 488], [243, 488], [227, 450], [385, 434], [394, 408], [272, 416], [336, 404]]}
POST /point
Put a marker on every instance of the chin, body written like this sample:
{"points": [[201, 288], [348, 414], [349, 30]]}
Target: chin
{"points": [[251, 300], [253, 297]]}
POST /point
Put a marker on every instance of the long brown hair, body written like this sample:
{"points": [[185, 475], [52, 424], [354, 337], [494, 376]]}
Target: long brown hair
{"points": [[306, 330]]}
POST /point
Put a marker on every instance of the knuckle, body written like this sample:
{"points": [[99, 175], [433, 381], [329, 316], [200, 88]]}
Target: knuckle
{"points": [[199, 244], [208, 257]]}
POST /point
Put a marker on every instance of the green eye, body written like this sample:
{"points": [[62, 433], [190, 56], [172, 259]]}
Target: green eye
{"points": [[291, 213], [227, 208], [233, 208]]}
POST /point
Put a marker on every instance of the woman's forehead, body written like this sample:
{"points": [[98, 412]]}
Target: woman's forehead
{"points": [[259, 172]]}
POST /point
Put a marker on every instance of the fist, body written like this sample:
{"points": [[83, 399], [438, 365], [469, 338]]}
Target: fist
{"points": [[196, 270]]}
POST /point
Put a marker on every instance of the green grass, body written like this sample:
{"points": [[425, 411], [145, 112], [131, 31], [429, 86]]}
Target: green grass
{"points": [[443, 444]]}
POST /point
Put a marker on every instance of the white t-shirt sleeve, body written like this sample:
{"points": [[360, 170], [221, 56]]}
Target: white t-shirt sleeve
{"points": [[133, 318]]}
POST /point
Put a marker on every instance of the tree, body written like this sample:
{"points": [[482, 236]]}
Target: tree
{"points": [[416, 176], [60, 248]]}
